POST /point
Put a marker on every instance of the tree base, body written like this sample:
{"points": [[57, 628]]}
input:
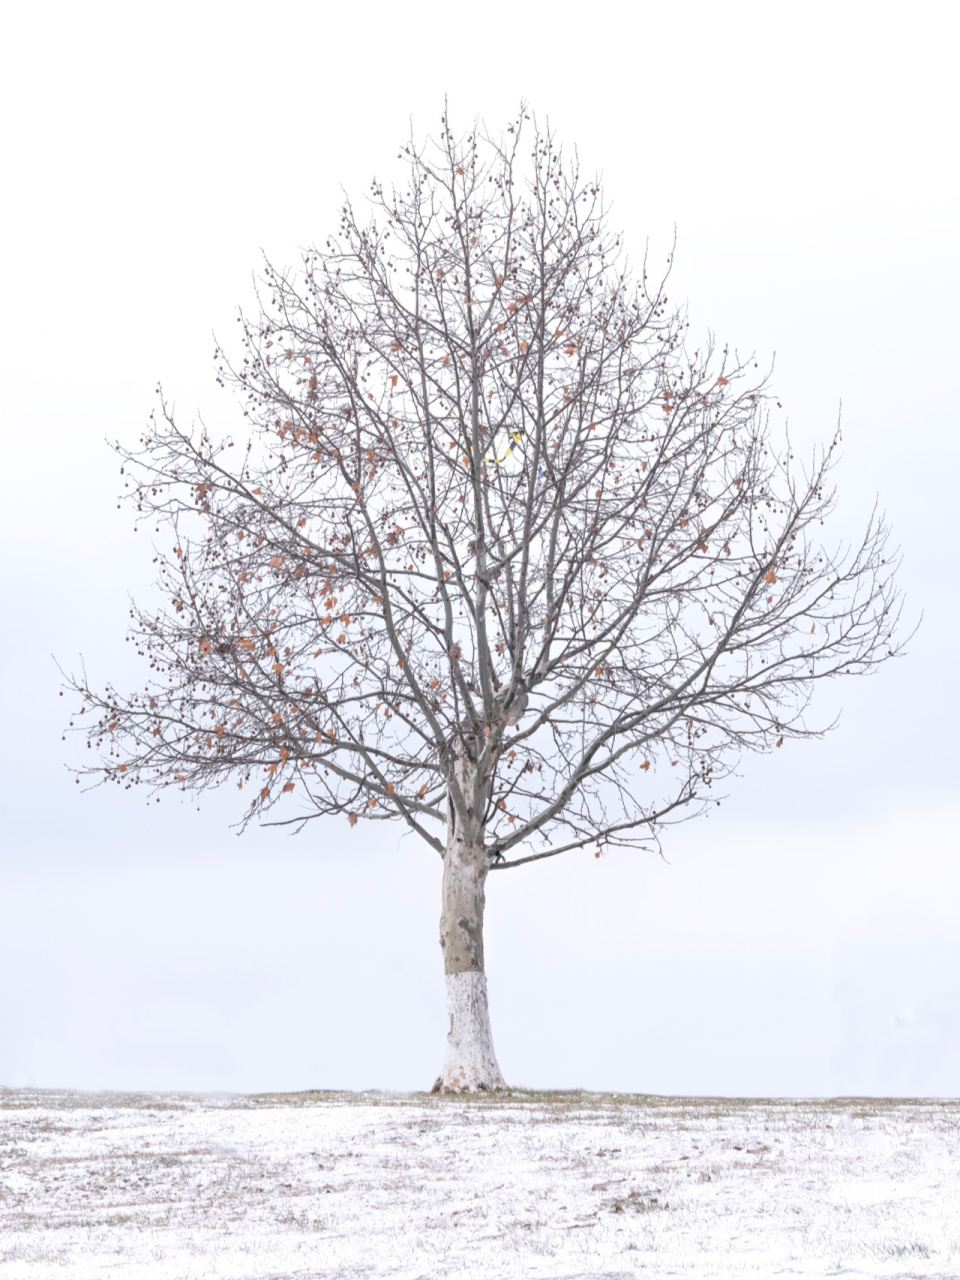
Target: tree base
{"points": [[471, 1063]]}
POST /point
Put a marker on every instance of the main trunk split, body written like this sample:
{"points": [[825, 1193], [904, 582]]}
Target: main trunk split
{"points": [[471, 1063]]}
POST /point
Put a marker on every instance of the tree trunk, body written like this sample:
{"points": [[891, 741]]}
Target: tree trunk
{"points": [[471, 1063]]}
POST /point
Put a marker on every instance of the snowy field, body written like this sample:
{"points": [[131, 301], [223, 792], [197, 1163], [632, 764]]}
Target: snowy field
{"points": [[523, 1185]]}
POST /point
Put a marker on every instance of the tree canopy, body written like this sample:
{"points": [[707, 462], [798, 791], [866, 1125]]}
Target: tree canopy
{"points": [[485, 504]]}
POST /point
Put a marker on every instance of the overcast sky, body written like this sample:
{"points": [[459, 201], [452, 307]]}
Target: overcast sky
{"points": [[803, 940]]}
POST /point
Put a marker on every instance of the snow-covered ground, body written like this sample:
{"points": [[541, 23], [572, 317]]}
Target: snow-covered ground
{"points": [[523, 1185]]}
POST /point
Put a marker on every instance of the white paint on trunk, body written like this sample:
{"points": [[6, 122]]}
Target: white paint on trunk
{"points": [[471, 1063]]}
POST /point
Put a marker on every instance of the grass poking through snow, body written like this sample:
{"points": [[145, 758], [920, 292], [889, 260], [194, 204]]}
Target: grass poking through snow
{"points": [[528, 1185]]}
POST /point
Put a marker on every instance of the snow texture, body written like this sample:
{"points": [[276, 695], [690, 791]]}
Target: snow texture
{"points": [[493, 1188]]}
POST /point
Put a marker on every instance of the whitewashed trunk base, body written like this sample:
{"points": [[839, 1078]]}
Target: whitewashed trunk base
{"points": [[471, 1064]]}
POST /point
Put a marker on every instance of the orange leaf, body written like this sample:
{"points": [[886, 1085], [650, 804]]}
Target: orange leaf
{"points": [[780, 742], [391, 789], [723, 382], [181, 777], [459, 169], [289, 786], [393, 380], [423, 791], [352, 819], [645, 766], [257, 492], [770, 577], [264, 793]]}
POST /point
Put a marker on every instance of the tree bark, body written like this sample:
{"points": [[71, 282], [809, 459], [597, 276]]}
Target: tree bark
{"points": [[471, 1063]]}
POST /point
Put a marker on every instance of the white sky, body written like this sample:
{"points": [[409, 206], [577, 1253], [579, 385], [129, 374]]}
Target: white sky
{"points": [[805, 939]]}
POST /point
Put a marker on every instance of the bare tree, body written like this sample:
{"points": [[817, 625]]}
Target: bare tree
{"points": [[494, 553]]}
